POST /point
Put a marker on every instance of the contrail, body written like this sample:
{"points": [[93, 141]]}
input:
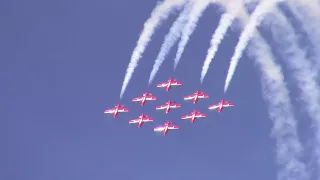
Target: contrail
{"points": [[308, 13], [311, 5], [285, 130], [188, 29], [225, 22], [256, 17], [159, 14], [170, 39], [301, 68]]}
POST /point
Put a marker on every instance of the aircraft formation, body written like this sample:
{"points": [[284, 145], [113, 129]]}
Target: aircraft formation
{"points": [[171, 82]]}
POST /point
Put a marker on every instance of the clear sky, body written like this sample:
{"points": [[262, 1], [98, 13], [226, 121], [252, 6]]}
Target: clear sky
{"points": [[63, 64]]}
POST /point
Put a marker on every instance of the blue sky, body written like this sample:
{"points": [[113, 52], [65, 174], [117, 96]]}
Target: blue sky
{"points": [[63, 64]]}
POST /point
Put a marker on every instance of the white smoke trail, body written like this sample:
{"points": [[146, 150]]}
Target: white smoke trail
{"points": [[301, 68], [193, 18], [170, 39], [225, 22], [312, 5], [264, 7], [234, 9], [284, 130], [289, 149], [308, 13], [159, 14]]}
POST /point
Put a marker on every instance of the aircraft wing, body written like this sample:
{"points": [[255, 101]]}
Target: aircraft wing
{"points": [[201, 115], [109, 111], [186, 117], [188, 97], [123, 110], [162, 85], [133, 121], [151, 98], [228, 104], [161, 107], [175, 106], [137, 99], [214, 106], [159, 128], [203, 96], [176, 83], [173, 127], [147, 119]]}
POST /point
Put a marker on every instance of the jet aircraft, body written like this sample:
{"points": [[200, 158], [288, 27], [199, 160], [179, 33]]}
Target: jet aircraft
{"points": [[141, 119], [145, 97], [195, 96], [170, 82], [193, 115], [220, 105], [117, 108], [168, 105], [167, 126]]}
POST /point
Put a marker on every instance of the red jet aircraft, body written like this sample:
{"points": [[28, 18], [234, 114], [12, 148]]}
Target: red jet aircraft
{"points": [[193, 115], [195, 96], [117, 108], [221, 105], [169, 83], [167, 126], [142, 118], [169, 104], [145, 96]]}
